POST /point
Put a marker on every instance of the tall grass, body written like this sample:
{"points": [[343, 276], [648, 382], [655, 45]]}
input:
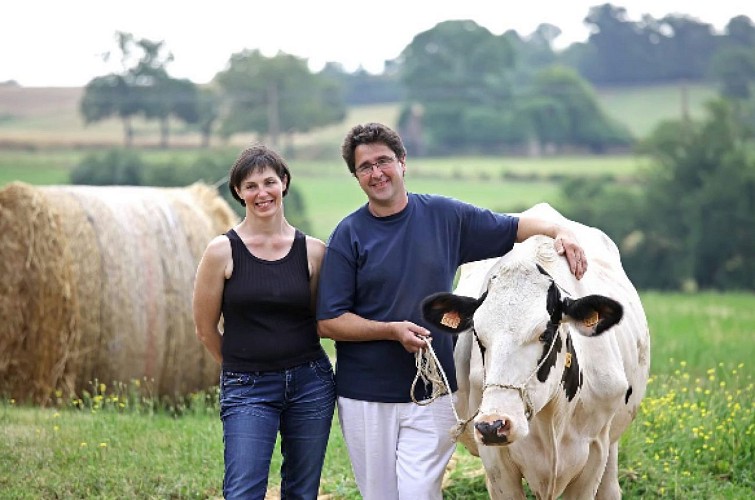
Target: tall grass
{"points": [[693, 437]]}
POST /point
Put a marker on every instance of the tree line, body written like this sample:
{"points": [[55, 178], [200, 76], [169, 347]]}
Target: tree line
{"points": [[461, 88], [688, 223]]}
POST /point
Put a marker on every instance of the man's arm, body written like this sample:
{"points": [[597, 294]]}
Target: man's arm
{"points": [[351, 327], [564, 240]]}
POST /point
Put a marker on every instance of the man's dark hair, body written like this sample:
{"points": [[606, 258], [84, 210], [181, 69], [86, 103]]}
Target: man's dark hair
{"points": [[370, 133], [255, 159]]}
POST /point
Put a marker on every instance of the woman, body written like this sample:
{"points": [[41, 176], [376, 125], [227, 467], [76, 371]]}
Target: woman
{"points": [[261, 276]]}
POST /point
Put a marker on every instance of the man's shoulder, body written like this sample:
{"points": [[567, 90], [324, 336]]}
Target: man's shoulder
{"points": [[435, 200], [347, 227]]}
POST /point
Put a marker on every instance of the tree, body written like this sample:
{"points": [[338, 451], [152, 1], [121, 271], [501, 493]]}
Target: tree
{"points": [[143, 87], [455, 69], [617, 50], [700, 203], [564, 110], [688, 222], [734, 68], [164, 97], [208, 111], [740, 32], [276, 95], [534, 52], [621, 51], [361, 87], [110, 96]]}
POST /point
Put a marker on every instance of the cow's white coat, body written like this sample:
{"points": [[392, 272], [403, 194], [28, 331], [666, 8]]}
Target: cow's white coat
{"points": [[568, 448]]}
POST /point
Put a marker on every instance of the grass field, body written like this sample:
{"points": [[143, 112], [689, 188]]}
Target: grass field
{"points": [[693, 438], [329, 199], [330, 192]]}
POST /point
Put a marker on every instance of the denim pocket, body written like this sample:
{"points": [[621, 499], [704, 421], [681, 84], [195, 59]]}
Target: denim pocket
{"points": [[323, 369], [236, 384]]}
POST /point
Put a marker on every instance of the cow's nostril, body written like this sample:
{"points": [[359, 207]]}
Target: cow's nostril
{"points": [[488, 429], [503, 430]]}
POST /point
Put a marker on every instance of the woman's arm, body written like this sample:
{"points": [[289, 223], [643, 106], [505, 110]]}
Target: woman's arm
{"points": [[215, 266]]}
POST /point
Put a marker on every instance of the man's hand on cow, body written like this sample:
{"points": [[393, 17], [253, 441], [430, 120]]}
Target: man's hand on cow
{"points": [[566, 245], [411, 335]]}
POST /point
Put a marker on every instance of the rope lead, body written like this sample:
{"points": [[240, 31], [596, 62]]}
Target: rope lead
{"points": [[431, 372]]}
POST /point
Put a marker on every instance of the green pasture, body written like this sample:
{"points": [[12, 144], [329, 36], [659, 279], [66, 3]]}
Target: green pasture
{"points": [[505, 184], [329, 198], [693, 438], [641, 108]]}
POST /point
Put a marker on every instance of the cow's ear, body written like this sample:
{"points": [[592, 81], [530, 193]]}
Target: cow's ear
{"points": [[593, 314], [451, 313]]}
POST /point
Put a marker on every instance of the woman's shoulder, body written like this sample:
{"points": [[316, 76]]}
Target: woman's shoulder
{"points": [[315, 246], [219, 246]]}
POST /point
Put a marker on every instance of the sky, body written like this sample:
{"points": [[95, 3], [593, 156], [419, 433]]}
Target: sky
{"points": [[59, 43]]}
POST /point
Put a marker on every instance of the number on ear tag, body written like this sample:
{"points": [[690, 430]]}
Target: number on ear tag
{"points": [[451, 319], [592, 320]]}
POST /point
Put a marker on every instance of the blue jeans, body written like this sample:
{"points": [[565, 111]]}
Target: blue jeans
{"points": [[254, 406]]}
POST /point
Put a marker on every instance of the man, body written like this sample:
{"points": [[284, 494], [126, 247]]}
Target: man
{"points": [[381, 261]]}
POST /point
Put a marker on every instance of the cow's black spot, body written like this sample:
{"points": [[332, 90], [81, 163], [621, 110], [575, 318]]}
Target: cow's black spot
{"points": [[550, 361], [571, 380], [629, 393]]}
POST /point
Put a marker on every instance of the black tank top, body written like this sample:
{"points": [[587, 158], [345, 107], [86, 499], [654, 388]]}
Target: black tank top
{"points": [[268, 321]]}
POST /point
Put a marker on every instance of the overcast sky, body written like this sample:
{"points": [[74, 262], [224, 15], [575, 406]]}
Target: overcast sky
{"points": [[60, 42]]}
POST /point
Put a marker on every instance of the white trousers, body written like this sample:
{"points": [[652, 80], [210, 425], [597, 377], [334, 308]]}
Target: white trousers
{"points": [[398, 451]]}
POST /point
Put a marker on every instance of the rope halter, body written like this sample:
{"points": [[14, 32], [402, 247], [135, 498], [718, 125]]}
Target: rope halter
{"points": [[529, 409]]}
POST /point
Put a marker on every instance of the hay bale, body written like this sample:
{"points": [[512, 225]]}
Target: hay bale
{"points": [[127, 261], [38, 308]]}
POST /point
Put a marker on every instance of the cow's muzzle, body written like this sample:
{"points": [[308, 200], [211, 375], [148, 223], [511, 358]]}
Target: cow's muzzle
{"points": [[494, 433]]}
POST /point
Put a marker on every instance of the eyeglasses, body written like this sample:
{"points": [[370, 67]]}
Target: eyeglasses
{"points": [[382, 163]]}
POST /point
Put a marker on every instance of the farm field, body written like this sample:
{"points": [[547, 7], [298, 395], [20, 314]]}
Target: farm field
{"points": [[694, 437], [329, 199], [329, 192], [41, 117]]}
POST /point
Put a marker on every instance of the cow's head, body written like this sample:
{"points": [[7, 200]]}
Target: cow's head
{"points": [[528, 355]]}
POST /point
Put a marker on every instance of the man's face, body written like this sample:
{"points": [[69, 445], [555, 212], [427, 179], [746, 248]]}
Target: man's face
{"points": [[380, 174]]}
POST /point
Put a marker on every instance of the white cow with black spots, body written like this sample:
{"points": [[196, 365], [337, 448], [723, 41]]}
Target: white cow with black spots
{"points": [[551, 369]]}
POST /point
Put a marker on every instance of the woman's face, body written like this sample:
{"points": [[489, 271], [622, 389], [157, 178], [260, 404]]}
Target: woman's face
{"points": [[262, 191]]}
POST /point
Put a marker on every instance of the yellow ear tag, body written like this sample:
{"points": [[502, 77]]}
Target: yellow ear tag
{"points": [[592, 320], [567, 362], [450, 319]]}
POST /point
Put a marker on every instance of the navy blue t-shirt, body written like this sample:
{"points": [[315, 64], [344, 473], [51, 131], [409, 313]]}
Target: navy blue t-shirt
{"points": [[381, 268]]}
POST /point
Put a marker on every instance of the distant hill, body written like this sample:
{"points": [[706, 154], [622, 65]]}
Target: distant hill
{"points": [[49, 117]]}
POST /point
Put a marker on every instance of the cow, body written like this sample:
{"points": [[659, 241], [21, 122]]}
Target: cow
{"points": [[551, 370]]}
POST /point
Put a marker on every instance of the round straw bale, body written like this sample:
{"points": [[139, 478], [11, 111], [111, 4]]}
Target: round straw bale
{"points": [[37, 301], [131, 255]]}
